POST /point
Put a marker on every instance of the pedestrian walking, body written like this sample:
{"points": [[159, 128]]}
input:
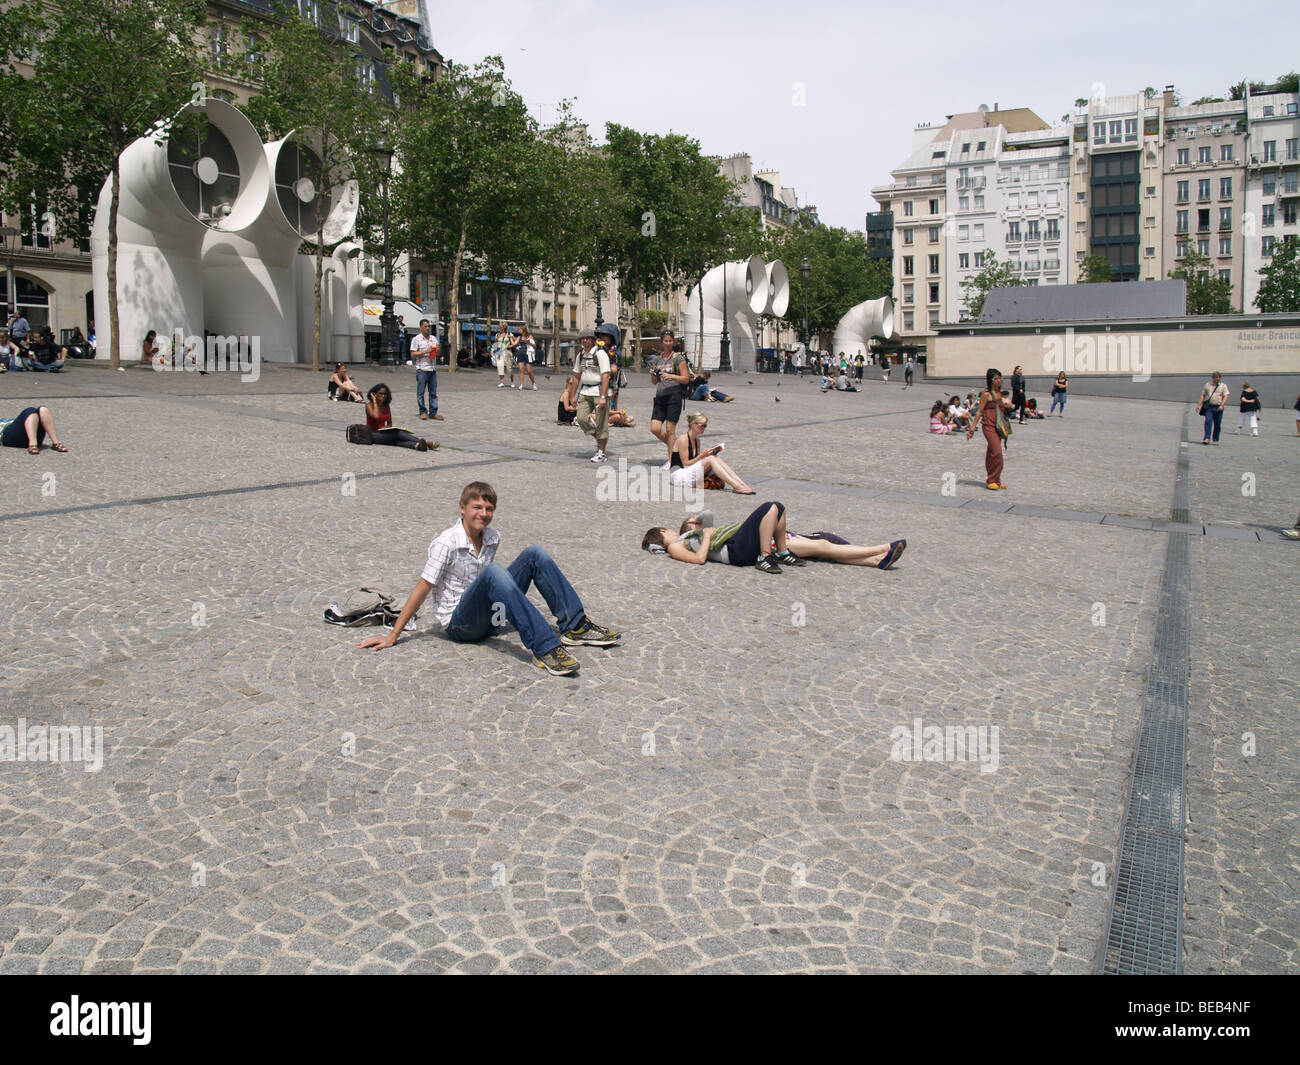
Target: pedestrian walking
{"points": [[1250, 404], [403, 342], [1018, 392], [1214, 397], [858, 363], [502, 345], [525, 356], [591, 379], [424, 353], [991, 406], [670, 373], [909, 368]]}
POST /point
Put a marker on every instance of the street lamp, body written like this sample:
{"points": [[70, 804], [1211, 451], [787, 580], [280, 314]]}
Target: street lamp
{"points": [[388, 321], [805, 271], [6, 232], [599, 280], [724, 342]]}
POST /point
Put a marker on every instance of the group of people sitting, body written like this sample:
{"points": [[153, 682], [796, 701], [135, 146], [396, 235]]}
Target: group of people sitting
{"points": [[42, 354], [955, 415], [840, 383]]}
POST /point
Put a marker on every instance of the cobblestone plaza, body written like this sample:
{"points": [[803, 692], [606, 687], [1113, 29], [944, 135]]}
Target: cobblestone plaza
{"points": [[723, 792]]}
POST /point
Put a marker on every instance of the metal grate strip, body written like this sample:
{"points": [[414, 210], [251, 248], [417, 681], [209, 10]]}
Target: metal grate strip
{"points": [[1145, 931]]}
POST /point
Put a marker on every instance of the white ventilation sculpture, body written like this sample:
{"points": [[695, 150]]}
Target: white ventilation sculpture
{"points": [[749, 293], [870, 319], [201, 171]]}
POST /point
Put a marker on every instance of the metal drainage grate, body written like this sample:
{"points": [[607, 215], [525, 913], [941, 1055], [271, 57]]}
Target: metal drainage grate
{"points": [[1145, 931]]}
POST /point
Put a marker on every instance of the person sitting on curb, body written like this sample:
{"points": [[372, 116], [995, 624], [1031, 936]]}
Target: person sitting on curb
{"points": [[689, 465], [473, 594], [46, 356], [342, 387], [741, 543], [30, 429], [379, 420]]}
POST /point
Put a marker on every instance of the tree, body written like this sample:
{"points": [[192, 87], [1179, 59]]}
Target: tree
{"points": [[992, 275], [309, 81], [1096, 269], [1279, 290], [106, 73], [464, 143], [1207, 293]]}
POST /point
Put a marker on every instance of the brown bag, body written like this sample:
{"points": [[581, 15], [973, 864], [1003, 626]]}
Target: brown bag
{"points": [[713, 482]]}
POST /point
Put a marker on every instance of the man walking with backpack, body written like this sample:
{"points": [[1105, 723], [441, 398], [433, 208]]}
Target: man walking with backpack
{"points": [[591, 373]]}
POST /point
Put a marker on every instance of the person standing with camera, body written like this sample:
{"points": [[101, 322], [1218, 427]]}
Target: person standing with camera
{"points": [[670, 373]]}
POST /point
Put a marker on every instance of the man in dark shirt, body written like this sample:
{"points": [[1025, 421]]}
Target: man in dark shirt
{"points": [[1018, 393], [46, 356]]}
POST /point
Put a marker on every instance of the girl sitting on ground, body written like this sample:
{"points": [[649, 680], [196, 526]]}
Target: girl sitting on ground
{"points": [[689, 463], [379, 419], [342, 387], [939, 418]]}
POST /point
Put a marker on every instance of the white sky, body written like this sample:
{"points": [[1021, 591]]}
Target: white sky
{"points": [[725, 73]]}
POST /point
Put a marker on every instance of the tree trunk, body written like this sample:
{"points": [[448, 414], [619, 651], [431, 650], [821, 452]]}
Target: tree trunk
{"points": [[115, 346], [555, 312], [320, 269], [453, 327]]}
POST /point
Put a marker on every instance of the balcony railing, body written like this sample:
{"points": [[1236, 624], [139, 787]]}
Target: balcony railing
{"points": [[1225, 225], [1052, 264], [1014, 238]]}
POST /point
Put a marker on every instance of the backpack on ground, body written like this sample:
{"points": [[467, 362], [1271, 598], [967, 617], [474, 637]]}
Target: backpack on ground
{"points": [[359, 434], [363, 606]]}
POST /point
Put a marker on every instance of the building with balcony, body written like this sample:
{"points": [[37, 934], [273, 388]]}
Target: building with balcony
{"points": [[1272, 183]]}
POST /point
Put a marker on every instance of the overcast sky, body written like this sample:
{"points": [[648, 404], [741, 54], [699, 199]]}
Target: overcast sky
{"points": [[828, 92]]}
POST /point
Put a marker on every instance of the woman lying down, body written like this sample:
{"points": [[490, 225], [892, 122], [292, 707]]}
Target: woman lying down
{"points": [[762, 541]]}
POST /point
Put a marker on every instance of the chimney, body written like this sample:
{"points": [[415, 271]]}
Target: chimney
{"points": [[1169, 96]]}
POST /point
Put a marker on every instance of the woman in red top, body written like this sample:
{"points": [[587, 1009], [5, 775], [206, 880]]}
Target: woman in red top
{"points": [[379, 420], [986, 417]]}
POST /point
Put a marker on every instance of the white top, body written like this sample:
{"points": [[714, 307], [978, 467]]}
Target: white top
{"points": [[424, 350], [453, 567]]}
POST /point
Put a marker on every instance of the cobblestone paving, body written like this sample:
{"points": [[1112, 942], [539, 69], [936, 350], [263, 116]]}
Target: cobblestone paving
{"points": [[717, 794]]}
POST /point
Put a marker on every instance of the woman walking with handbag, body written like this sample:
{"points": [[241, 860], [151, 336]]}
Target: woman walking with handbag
{"points": [[993, 424]]}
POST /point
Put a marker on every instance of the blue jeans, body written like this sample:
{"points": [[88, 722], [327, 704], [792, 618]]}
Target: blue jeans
{"points": [[41, 367], [426, 379], [1058, 400], [473, 618], [1213, 422]]}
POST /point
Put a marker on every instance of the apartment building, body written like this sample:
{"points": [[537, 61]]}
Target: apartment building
{"points": [[1204, 188], [1272, 183]]}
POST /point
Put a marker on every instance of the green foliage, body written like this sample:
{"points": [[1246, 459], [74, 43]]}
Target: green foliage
{"points": [[1096, 269], [1288, 82], [1279, 289], [992, 275], [1207, 293]]}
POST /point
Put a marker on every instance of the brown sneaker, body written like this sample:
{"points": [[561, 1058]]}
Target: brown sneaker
{"points": [[437, 417], [424, 417]]}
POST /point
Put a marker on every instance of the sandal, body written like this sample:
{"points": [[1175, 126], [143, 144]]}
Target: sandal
{"points": [[61, 448], [33, 449]]}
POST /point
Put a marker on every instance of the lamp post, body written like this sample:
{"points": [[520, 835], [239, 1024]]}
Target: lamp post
{"points": [[599, 280], [724, 342], [388, 321], [7, 233], [805, 271]]}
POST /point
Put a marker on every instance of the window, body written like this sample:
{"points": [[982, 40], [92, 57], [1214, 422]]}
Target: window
{"points": [[963, 232], [1270, 151], [1130, 129], [1013, 231], [1288, 214], [253, 54], [1266, 215], [1225, 188], [1203, 246], [1080, 196], [1053, 229], [1013, 201], [1203, 189], [1031, 200], [366, 73], [977, 233], [908, 321], [979, 201], [907, 236], [1203, 220], [907, 208], [36, 228], [1293, 148], [217, 43], [907, 293], [934, 319], [907, 266], [1225, 217], [934, 206], [1225, 275], [979, 259], [963, 260], [1225, 245], [980, 147], [1184, 191], [1184, 156], [1116, 132], [546, 312], [934, 234], [1203, 154], [1268, 110], [532, 311], [965, 147], [1053, 198], [1291, 181], [573, 316], [1181, 222], [1150, 253], [1182, 249], [963, 203], [309, 9], [1266, 247], [1033, 233], [1268, 185], [934, 264], [1225, 153], [934, 292]]}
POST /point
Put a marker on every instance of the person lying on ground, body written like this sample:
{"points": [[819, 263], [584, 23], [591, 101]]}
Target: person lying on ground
{"points": [[475, 597], [758, 541], [30, 429]]}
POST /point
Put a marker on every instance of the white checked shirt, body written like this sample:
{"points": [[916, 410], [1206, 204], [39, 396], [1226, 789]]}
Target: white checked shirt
{"points": [[453, 567], [424, 351]]}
